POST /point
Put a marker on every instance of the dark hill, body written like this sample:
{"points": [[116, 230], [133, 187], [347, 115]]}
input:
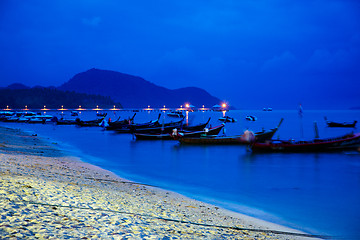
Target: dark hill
{"points": [[134, 91], [37, 97], [17, 86]]}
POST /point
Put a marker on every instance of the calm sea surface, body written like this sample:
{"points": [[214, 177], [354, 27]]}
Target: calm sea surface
{"points": [[315, 192]]}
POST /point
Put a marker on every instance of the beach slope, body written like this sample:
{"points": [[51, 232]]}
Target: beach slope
{"points": [[46, 194]]}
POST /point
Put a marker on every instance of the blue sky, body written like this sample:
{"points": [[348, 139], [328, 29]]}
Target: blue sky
{"points": [[251, 53]]}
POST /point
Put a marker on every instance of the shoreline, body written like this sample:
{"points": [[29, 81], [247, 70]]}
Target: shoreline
{"points": [[48, 194]]}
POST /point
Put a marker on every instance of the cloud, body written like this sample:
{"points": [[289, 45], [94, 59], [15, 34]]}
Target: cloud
{"points": [[95, 21], [279, 63], [340, 61]]}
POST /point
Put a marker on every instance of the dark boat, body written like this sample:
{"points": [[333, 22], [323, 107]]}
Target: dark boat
{"points": [[338, 124], [90, 123], [198, 127], [227, 119], [120, 123], [162, 129], [349, 141], [237, 139], [128, 128], [180, 134], [63, 121], [251, 118], [176, 114]]}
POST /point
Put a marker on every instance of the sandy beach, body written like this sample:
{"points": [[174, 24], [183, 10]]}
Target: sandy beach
{"points": [[46, 194]]}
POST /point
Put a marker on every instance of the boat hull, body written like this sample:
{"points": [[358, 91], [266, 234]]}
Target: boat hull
{"points": [[344, 125], [182, 134], [350, 141]]}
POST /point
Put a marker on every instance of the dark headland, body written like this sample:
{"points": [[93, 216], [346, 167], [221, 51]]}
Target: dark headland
{"points": [[135, 92], [106, 89]]}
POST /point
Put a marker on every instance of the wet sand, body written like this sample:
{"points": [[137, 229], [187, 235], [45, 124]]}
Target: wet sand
{"points": [[46, 194]]}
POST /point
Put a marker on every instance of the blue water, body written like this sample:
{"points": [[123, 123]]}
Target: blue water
{"points": [[314, 192]]}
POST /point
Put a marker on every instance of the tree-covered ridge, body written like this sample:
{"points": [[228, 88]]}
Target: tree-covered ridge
{"points": [[37, 98]]}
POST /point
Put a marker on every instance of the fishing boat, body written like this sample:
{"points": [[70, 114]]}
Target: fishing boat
{"points": [[197, 127], [118, 124], [39, 118], [251, 118], [162, 129], [339, 124], [36, 120], [100, 114], [348, 141], [134, 127], [237, 139], [74, 113], [227, 119], [175, 134], [90, 123], [176, 114], [168, 127], [11, 118], [62, 121]]}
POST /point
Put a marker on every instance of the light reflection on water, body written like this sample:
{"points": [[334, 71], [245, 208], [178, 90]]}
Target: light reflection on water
{"points": [[311, 191]]}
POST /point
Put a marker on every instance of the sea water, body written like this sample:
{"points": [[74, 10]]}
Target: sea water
{"points": [[315, 192]]}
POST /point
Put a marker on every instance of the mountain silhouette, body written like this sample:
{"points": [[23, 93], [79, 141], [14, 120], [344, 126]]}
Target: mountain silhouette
{"points": [[135, 92]]}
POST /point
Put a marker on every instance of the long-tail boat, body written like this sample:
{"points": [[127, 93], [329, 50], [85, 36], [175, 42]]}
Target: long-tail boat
{"points": [[214, 131], [197, 127], [227, 119], [90, 123], [339, 124], [149, 127], [162, 129], [348, 141], [237, 139], [120, 123]]}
